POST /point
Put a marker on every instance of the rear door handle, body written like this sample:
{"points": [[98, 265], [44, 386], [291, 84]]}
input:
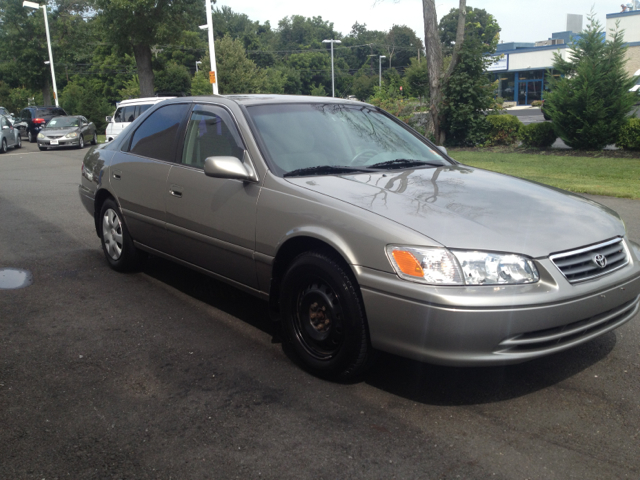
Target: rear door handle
{"points": [[176, 190]]}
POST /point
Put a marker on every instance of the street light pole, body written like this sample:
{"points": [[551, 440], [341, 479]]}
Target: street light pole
{"points": [[197, 62], [380, 70], [46, 26], [212, 47], [333, 89]]}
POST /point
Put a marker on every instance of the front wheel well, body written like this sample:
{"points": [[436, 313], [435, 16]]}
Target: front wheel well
{"points": [[286, 254]]}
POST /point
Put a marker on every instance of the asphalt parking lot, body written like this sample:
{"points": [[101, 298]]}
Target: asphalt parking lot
{"points": [[167, 373]]}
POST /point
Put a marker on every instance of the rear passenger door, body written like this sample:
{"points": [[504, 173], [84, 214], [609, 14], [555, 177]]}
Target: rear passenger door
{"points": [[211, 221], [139, 171]]}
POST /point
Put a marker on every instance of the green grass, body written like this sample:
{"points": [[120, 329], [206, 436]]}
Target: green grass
{"points": [[615, 177], [101, 138]]}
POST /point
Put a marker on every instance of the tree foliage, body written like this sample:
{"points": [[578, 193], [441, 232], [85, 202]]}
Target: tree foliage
{"points": [[468, 93], [590, 101]]}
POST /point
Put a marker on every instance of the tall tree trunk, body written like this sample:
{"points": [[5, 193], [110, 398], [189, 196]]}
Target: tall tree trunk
{"points": [[142, 53], [437, 79], [46, 93]]}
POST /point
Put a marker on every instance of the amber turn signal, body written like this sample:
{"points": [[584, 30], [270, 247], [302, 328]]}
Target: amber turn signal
{"points": [[407, 263]]}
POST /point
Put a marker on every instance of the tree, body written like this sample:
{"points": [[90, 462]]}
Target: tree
{"points": [[139, 24], [402, 43], [590, 101], [173, 78], [484, 23], [237, 74], [417, 78], [437, 79], [468, 93]]}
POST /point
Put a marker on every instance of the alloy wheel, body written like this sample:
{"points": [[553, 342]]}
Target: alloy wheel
{"points": [[112, 234]]}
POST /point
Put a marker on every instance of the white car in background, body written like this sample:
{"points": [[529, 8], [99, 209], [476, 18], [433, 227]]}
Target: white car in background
{"points": [[126, 112]]}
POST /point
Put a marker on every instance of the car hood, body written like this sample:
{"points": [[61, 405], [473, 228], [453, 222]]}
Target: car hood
{"points": [[58, 131], [468, 208]]}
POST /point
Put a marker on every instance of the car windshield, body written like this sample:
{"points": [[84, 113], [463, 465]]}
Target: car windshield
{"points": [[63, 122], [301, 137]]}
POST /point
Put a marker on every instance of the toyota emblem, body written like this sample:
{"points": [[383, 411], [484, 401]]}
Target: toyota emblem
{"points": [[600, 260]]}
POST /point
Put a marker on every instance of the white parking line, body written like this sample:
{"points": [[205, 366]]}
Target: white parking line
{"points": [[21, 153]]}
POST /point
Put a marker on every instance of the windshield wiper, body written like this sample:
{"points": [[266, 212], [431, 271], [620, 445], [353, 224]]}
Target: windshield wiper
{"points": [[404, 163], [324, 170]]}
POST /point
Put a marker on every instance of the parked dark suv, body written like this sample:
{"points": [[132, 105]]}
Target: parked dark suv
{"points": [[33, 119]]}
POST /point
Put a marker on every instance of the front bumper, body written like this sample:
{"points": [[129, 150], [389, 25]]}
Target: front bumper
{"points": [[476, 326], [67, 142]]}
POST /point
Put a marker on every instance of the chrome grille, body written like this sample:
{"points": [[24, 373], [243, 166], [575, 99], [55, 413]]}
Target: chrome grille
{"points": [[582, 264]]}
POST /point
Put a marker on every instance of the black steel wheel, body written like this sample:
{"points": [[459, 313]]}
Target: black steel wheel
{"points": [[117, 244], [323, 317]]}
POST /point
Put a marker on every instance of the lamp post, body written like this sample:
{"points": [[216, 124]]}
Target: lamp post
{"points": [[46, 26], [333, 89], [380, 70], [212, 47], [198, 62]]}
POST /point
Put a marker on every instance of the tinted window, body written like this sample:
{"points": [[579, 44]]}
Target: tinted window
{"points": [[158, 134], [25, 115], [125, 114], [210, 133]]}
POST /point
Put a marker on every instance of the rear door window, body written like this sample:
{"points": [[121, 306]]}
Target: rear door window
{"points": [[158, 135]]}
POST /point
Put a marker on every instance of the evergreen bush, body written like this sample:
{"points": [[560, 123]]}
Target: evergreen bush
{"points": [[537, 135], [629, 136], [590, 100], [503, 129]]}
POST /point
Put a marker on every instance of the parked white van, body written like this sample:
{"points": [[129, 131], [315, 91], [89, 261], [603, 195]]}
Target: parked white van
{"points": [[126, 112]]}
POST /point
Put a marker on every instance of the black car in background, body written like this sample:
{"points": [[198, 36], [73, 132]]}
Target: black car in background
{"points": [[33, 119]]}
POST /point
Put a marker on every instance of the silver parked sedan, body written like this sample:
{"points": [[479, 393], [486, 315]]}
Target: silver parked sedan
{"points": [[67, 131], [9, 135], [360, 232]]}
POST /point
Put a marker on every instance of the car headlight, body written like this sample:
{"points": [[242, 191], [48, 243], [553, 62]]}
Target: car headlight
{"points": [[439, 266], [41, 135], [71, 135]]}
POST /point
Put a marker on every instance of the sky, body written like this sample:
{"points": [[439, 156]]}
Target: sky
{"points": [[521, 21]]}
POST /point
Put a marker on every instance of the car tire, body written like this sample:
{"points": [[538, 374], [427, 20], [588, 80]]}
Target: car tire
{"points": [[81, 142], [19, 142], [117, 244], [3, 146], [30, 137], [94, 140], [323, 317]]}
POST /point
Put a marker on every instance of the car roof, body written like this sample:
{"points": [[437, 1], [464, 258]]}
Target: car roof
{"points": [[142, 101], [265, 99]]}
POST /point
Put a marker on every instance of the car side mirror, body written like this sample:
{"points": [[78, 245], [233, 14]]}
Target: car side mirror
{"points": [[5, 127], [108, 119], [229, 167], [442, 149]]}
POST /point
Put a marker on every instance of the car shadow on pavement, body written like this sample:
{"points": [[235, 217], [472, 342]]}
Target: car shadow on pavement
{"points": [[439, 385], [416, 381], [217, 294]]}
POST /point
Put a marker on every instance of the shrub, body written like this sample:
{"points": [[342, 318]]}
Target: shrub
{"points": [[536, 103], [538, 135], [629, 136], [503, 129], [590, 99]]}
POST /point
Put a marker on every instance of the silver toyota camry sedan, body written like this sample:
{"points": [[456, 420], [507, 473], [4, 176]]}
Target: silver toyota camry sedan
{"points": [[360, 233]]}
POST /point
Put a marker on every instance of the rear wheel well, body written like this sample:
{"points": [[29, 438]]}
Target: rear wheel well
{"points": [[286, 254]]}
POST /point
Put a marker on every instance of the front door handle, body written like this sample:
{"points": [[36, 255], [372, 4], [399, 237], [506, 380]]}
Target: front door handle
{"points": [[176, 191], [117, 174]]}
